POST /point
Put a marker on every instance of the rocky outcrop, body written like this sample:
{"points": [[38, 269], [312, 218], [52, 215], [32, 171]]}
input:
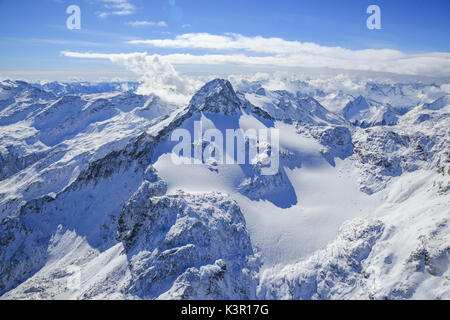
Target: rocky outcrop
{"points": [[185, 246]]}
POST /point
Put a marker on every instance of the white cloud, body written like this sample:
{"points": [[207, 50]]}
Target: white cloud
{"points": [[430, 65], [232, 41], [117, 8], [157, 74], [160, 77], [186, 25], [284, 53], [137, 24]]}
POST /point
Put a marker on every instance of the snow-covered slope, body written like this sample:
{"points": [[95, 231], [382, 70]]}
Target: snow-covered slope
{"points": [[93, 206]]}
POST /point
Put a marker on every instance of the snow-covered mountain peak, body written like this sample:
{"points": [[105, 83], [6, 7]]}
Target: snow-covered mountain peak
{"points": [[354, 107], [366, 113], [217, 96]]}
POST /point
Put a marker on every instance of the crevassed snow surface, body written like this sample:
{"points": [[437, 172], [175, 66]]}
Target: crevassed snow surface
{"points": [[93, 207]]}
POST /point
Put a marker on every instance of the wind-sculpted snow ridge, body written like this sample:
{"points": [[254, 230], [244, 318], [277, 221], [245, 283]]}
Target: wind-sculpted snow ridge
{"points": [[93, 207]]}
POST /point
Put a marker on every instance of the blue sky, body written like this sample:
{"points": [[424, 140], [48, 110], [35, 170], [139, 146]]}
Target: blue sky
{"points": [[34, 33]]}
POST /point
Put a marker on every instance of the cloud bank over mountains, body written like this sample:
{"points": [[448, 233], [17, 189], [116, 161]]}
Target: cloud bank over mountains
{"points": [[159, 76], [238, 49]]}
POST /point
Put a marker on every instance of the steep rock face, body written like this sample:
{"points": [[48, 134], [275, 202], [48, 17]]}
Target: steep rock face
{"points": [[22, 247], [217, 97], [185, 246]]}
